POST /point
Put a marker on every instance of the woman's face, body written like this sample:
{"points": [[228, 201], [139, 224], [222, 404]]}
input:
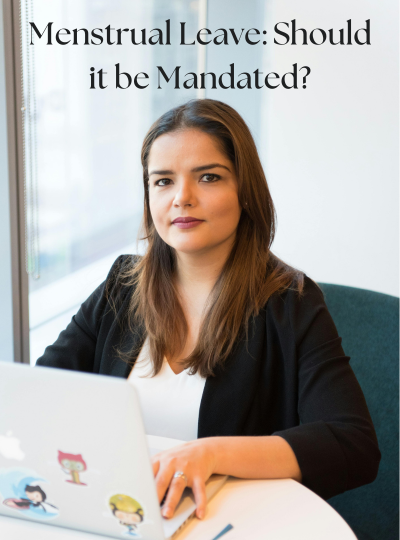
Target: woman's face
{"points": [[189, 176]]}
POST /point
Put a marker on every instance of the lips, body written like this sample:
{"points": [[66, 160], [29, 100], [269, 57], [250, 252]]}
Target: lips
{"points": [[187, 219]]}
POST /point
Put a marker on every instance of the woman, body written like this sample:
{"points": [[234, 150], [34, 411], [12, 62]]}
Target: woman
{"points": [[241, 355]]}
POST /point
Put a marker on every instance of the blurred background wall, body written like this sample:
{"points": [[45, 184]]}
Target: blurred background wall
{"points": [[332, 152]]}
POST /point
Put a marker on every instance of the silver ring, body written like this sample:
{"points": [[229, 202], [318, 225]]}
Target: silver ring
{"points": [[180, 474]]}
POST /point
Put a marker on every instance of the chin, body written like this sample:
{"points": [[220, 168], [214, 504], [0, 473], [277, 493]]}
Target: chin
{"points": [[188, 250], [189, 247]]}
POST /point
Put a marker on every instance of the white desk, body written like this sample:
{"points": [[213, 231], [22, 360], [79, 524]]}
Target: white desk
{"points": [[268, 509], [257, 509]]}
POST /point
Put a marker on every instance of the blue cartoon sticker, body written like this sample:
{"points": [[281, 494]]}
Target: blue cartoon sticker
{"points": [[21, 491]]}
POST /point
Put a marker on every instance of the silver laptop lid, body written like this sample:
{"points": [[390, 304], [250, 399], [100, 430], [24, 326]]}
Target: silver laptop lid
{"points": [[73, 453]]}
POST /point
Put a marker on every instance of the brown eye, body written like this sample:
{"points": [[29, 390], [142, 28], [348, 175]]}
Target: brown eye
{"points": [[156, 183], [214, 177]]}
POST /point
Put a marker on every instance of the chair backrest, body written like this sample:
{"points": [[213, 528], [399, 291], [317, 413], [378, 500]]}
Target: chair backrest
{"points": [[368, 323]]}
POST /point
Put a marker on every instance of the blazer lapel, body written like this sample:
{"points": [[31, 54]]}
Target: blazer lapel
{"points": [[228, 396]]}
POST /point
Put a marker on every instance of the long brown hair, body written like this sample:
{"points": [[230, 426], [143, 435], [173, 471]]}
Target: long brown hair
{"points": [[251, 273]]}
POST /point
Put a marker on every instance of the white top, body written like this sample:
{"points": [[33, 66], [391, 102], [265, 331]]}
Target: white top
{"points": [[169, 403]]}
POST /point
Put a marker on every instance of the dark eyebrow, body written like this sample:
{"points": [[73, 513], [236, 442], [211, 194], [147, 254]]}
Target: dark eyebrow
{"points": [[211, 166], [161, 172], [196, 169]]}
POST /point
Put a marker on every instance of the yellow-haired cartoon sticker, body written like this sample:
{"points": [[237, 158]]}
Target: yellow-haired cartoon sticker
{"points": [[128, 511]]}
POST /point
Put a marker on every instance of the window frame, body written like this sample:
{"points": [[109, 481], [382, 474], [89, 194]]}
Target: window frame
{"points": [[13, 86]]}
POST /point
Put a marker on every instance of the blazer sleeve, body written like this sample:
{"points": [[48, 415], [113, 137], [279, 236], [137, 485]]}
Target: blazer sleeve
{"points": [[335, 444], [75, 347]]}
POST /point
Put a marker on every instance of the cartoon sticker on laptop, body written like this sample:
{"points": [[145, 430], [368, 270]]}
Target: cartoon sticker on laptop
{"points": [[72, 464], [129, 512], [22, 492]]}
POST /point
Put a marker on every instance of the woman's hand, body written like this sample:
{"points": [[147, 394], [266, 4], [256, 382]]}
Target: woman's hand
{"points": [[196, 459], [268, 456]]}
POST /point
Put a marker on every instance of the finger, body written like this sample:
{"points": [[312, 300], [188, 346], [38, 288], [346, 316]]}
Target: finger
{"points": [[199, 492], [163, 480], [156, 467], [173, 497]]}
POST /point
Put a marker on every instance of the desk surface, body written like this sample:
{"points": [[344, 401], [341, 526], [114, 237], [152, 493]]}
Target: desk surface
{"points": [[257, 509], [273, 509]]}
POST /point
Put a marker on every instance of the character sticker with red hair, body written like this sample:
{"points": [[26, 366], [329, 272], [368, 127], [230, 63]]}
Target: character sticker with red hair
{"points": [[72, 464]]}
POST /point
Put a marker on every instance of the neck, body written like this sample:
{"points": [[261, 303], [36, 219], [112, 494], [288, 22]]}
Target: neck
{"points": [[198, 272]]}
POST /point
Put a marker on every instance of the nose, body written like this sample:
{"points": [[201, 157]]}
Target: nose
{"points": [[185, 194]]}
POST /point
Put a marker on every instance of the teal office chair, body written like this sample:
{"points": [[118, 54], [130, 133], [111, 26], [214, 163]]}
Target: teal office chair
{"points": [[368, 322]]}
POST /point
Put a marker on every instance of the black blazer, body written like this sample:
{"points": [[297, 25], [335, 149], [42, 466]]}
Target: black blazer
{"points": [[291, 379]]}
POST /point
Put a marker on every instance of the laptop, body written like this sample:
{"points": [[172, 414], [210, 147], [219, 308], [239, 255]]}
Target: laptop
{"points": [[74, 453]]}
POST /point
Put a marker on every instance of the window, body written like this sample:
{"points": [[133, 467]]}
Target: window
{"points": [[84, 177]]}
